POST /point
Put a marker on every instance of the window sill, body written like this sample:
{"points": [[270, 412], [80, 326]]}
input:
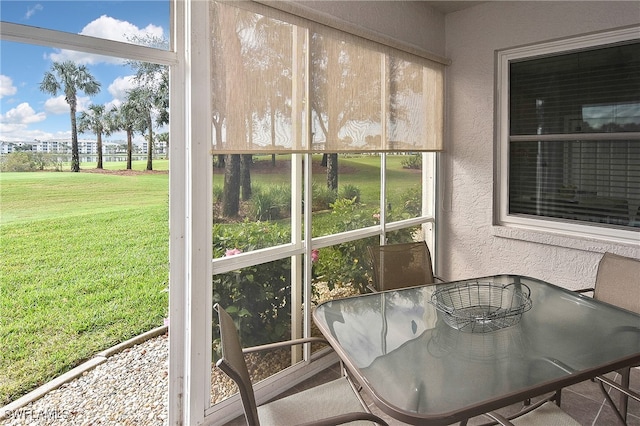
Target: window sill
{"points": [[568, 240]]}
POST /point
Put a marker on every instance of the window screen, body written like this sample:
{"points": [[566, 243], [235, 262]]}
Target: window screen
{"points": [[574, 151]]}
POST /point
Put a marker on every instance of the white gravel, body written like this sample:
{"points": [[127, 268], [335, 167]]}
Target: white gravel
{"points": [[129, 388]]}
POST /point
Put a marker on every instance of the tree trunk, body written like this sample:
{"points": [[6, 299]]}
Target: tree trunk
{"points": [[129, 148], [150, 144], [99, 166], [332, 171], [272, 117], [231, 190], [245, 176], [75, 154]]}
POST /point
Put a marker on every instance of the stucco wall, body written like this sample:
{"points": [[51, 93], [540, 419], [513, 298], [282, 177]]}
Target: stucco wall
{"points": [[469, 244], [412, 22]]}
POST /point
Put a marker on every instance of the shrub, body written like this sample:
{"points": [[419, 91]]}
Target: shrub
{"points": [[28, 161], [412, 162], [347, 263], [21, 161], [322, 197], [257, 297], [350, 192], [412, 199], [270, 204], [217, 193]]}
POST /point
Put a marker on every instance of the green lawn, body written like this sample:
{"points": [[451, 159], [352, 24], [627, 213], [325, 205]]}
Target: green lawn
{"points": [[83, 266], [84, 259]]}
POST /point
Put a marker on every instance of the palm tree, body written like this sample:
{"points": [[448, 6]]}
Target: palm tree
{"points": [[152, 94], [70, 78], [142, 100], [97, 121], [127, 118]]}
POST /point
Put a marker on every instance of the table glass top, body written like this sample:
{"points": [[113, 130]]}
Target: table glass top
{"points": [[397, 343]]}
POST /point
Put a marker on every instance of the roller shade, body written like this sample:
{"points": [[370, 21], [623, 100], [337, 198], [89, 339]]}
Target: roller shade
{"points": [[285, 84]]}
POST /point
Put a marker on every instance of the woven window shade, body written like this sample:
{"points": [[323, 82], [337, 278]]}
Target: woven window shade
{"points": [[284, 84]]}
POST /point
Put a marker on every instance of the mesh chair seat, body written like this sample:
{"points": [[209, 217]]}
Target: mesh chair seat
{"points": [[335, 397], [329, 404], [548, 414]]}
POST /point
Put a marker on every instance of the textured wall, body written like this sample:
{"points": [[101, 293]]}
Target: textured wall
{"points": [[412, 22], [469, 244]]}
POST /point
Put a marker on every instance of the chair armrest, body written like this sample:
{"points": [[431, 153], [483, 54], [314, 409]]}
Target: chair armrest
{"points": [[347, 418], [286, 343]]}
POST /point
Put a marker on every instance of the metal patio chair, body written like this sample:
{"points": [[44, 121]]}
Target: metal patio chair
{"points": [[618, 283], [401, 265], [332, 403]]}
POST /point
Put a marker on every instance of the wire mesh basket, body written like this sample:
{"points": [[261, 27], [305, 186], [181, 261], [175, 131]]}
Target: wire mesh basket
{"points": [[479, 307]]}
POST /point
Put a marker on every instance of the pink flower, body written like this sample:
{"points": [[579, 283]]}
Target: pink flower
{"points": [[231, 252], [166, 322], [315, 255], [376, 216]]}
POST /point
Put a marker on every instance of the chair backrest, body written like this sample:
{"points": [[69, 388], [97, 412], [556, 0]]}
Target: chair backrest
{"points": [[618, 281], [401, 265], [234, 365]]}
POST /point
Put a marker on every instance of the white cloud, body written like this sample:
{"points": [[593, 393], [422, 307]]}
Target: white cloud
{"points": [[115, 29], [14, 124], [120, 86], [6, 86], [19, 133], [83, 103], [111, 29], [82, 58], [33, 10], [59, 105], [56, 105], [22, 114]]}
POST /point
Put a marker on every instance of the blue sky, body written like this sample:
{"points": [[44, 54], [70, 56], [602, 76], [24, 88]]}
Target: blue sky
{"points": [[26, 113]]}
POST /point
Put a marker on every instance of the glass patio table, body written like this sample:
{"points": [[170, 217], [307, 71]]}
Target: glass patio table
{"points": [[421, 370]]}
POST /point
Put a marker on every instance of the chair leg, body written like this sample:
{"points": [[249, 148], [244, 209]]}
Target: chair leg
{"points": [[625, 375], [558, 397]]}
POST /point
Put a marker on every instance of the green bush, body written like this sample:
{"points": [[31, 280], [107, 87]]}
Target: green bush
{"points": [[412, 162], [350, 192], [21, 161], [28, 161], [257, 297], [347, 263], [322, 197], [412, 200], [272, 203], [217, 193]]}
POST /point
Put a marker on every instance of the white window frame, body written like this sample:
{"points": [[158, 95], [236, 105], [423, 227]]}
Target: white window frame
{"points": [[502, 218]]}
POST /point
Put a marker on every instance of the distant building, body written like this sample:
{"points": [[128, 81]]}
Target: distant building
{"points": [[85, 147]]}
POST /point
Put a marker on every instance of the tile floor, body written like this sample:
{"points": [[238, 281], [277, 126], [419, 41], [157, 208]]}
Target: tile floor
{"points": [[584, 402]]}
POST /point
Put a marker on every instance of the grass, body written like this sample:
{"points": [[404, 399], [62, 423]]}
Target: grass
{"points": [[84, 259], [83, 266]]}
